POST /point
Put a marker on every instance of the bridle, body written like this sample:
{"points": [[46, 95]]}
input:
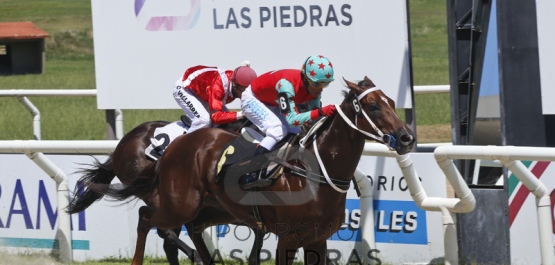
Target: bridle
{"points": [[387, 139]]}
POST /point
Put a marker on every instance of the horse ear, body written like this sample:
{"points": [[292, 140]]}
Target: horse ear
{"points": [[351, 85], [369, 81]]}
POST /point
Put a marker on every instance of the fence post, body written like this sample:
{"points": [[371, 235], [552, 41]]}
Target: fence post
{"points": [[111, 124], [36, 116]]}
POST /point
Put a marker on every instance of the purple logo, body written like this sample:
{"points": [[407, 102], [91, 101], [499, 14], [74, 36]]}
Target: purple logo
{"points": [[169, 23]]}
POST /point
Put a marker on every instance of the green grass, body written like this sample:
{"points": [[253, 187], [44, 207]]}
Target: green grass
{"points": [[70, 65], [429, 42], [430, 59]]}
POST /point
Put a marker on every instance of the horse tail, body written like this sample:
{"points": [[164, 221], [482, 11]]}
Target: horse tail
{"points": [[143, 186], [98, 174]]}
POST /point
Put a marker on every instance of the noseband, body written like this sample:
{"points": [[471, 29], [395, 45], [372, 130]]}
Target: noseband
{"points": [[387, 139]]}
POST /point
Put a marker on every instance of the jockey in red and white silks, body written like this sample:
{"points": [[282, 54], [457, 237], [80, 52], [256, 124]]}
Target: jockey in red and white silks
{"points": [[203, 91], [270, 103]]}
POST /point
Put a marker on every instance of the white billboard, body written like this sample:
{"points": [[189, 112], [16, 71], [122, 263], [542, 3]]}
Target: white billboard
{"points": [[142, 47], [546, 37], [523, 213]]}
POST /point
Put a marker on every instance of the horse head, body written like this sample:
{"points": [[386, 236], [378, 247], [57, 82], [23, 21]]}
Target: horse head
{"points": [[376, 118]]}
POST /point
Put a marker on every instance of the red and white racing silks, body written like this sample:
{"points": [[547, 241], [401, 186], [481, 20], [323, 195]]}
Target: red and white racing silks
{"points": [[213, 86]]}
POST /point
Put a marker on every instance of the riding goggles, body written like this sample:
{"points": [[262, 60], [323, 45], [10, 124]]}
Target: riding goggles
{"points": [[319, 84]]}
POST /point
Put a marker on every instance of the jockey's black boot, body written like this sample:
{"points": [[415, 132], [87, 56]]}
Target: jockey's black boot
{"points": [[258, 178], [186, 120]]}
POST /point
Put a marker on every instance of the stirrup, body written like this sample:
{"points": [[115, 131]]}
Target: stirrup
{"points": [[255, 180]]}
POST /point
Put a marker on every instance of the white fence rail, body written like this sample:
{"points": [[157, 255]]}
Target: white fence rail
{"points": [[510, 157], [34, 150], [22, 94], [447, 206]]}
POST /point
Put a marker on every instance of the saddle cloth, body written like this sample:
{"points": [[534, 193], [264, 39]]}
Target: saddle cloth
{"points": [[163, 136], [236, 159]]}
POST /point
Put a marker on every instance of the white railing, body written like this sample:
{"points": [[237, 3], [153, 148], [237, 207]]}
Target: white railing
{"points": [[22, 94], [35, 149], [447, 206], [432, 89], [510, 157]]}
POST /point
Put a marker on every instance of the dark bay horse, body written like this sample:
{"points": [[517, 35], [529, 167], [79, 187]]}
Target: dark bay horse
{"points": [[185, 178], [125, 163]]}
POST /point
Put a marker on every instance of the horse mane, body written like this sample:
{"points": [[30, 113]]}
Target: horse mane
{"points": [[345, 93]]}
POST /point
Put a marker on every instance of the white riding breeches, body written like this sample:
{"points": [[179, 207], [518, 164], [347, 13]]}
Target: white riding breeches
{"points": [[267, 118], [193, 106]]}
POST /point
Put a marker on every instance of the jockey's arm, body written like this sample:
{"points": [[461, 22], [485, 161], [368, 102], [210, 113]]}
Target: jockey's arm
{"points": [[286, 93], [218, 113]]}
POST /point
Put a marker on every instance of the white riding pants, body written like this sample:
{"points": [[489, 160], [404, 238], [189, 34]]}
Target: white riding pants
{"points": [[193, 106], [267, 118]]}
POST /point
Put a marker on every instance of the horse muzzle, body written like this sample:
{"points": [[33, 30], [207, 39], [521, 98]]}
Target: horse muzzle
{"points": [[402, 141]]}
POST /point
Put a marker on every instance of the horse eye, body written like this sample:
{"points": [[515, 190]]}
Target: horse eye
{"points": [[374, 107]]}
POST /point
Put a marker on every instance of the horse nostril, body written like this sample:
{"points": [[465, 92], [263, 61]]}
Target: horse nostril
{"points": [[406, 139]]}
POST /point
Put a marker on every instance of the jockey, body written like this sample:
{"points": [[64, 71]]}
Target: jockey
{"points": [[203, 91], [270, 103]]}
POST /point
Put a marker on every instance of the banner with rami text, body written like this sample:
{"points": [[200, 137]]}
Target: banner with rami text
{"points": [[28, 216]]}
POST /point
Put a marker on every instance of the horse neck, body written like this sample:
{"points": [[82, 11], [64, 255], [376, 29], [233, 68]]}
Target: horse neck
{"points": [[340, 147]]}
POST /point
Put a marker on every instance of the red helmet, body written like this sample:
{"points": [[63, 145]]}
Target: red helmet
{"points": [[243, 75]]}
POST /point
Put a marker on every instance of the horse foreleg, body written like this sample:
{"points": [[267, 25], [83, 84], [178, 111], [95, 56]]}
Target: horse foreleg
{"points": [[286, 250], [172, 243], [169, 246], [254, 257], [202, 250], [143, 228], [316, 253]]}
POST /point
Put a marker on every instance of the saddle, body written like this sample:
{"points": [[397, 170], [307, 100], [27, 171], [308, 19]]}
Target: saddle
{"points": [[237, 158]]}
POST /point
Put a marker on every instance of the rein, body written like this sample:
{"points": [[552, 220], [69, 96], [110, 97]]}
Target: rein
{"points": [[344, 184]]}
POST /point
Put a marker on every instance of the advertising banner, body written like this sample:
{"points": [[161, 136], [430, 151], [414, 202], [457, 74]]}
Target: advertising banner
{"points": [[142, 47], [523, 218], [546, 37], [28, 217]]}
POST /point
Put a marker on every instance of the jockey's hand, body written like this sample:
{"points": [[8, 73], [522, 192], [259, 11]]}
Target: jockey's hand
{"points": [[328, 110]]}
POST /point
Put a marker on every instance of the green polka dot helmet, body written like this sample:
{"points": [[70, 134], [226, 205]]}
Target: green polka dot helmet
{"points": [[318, 68]]}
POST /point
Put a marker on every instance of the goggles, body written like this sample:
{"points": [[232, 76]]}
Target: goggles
{"points": [[319, 84]]}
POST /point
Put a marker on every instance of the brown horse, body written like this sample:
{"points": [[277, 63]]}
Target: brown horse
{"points": [[312, 212], [125, 163]]}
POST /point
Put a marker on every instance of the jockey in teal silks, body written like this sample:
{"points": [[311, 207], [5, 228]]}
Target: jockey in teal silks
{"points": [[270, 103]]}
